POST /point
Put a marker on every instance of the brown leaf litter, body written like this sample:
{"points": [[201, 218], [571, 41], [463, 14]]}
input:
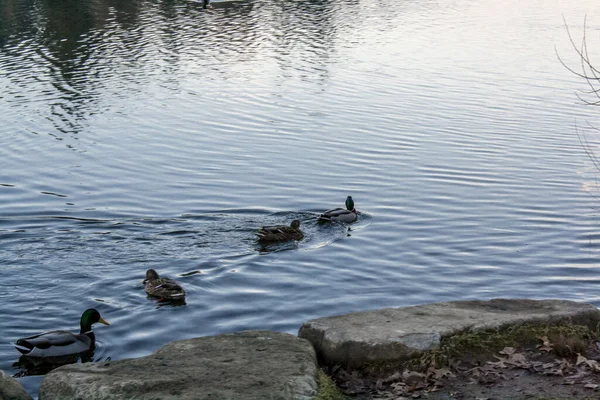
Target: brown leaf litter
{"points": [[551, 370]]}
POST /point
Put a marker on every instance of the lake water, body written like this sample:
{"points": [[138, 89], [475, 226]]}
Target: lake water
{"points": [[154, 134]]}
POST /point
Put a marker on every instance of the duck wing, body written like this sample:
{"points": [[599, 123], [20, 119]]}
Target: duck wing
{"points": [[278, 233], [53, 343], [165, 288], [333, 213], [273, 229], [339, 215]]}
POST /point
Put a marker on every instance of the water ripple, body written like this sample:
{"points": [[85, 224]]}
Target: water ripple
{"points": [[160, 135]]}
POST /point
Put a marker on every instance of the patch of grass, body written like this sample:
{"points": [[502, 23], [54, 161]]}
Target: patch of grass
{"points": [[567, 340], [480, 346], [327, 390]]}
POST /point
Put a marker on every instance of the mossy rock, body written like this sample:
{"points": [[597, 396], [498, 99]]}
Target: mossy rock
{"points": [[480, 346], [395, 335]]}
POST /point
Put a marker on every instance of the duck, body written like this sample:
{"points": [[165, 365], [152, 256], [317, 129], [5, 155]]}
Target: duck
{"points": [[164, 288], [341, 215], [280, 233], [62, 343]]}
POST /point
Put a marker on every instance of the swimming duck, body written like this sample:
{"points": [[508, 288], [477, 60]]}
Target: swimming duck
{"points": [[280, 233], [62, 343], [341, 215], [163, 288]]}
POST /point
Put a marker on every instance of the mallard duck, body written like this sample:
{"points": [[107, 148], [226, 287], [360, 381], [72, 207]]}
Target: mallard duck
{"points": [[164, 288], [62, 343], [341, 215], [280, 233]]}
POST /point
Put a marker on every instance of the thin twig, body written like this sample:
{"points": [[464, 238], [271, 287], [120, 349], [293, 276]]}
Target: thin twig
{"points": [[588, 71]]}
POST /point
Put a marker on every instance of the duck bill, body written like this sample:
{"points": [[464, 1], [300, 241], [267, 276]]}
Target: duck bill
{"points": [[103, 322]]}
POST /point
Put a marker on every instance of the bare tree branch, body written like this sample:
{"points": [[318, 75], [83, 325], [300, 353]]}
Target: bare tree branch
{"points": [[588, 71]]}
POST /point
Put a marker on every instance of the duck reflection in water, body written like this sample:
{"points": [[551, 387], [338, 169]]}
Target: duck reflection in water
{"points": [[43, 365]]}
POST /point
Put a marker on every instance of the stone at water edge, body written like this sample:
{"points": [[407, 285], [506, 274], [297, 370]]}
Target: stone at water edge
{"points": [[10, 389], [249, 365], [397, 334]]}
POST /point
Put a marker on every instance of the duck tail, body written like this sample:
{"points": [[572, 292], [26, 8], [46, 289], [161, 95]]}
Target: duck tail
{"points": [[23, 346], [324, 217]]}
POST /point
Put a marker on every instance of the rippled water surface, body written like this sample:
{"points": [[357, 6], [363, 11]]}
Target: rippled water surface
{"points": [[154, 134]]}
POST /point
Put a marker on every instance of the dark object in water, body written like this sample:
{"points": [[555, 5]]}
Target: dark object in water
{"points": [[280, 233], [163, 288]]}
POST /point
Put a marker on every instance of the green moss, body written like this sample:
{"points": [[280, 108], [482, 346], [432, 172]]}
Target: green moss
{"points": [[481, 345], [327, 389]]}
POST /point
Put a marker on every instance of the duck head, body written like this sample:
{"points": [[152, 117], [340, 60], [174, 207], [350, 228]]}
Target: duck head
{"points": [[150, 275], [349, 203], [88, 318]]}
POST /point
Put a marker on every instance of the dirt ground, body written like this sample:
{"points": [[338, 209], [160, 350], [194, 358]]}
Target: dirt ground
{"points": [[537, 373], [520, 385]]}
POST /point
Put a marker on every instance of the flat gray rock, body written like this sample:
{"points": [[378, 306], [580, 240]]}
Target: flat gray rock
{"points": [[10, 389], [396, 334], [246, 365]]}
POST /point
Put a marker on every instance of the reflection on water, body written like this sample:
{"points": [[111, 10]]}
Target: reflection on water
{"points": [[140, 134], [166, 302], [76, 64], [41, 366]]}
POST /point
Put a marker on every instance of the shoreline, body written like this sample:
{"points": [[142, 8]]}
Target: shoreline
{"points": [[390, 352]]}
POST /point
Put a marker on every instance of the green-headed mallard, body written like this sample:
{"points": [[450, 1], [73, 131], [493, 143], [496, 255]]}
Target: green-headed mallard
{"points": [[341, 215], [62, 343], [164, 288], [280, 233]]}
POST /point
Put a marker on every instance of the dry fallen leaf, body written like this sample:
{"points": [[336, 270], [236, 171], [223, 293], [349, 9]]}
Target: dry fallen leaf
{"points": [[441, 372], [546, 345], [413, 377], [399, 388], [507, 351], [499, 364], [396, 376], [580, 359], [577, 376], [591, 386], [593, 364], [557, 367], [518, 360]]}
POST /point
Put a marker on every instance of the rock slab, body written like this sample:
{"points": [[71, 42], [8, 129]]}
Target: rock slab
{"points": [[397, 334], [245, 365], [10, 389]]}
